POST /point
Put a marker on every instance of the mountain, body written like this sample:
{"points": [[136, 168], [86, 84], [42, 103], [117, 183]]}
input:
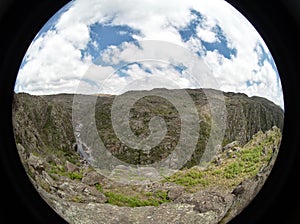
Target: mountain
{"points": [[44, 123]]}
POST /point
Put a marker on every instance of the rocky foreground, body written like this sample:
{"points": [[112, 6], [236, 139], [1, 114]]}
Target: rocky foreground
{"points": [[212, 195]]}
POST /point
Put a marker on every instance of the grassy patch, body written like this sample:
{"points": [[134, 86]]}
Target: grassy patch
{"points": [[134, 201], [235, 166], [75, 175], [233, 170], [131, 198], [60, 171], [189, 178], [99, 187]]}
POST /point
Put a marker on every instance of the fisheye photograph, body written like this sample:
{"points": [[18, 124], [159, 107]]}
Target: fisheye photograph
{"points": [[148, 112]]}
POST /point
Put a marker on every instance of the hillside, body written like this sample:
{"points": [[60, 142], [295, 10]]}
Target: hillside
{"points": [[214, 194], [48, 122]]}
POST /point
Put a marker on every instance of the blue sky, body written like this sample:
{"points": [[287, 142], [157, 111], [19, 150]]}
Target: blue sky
{"points": [[221, 44], [107, 35], [100, 34]]}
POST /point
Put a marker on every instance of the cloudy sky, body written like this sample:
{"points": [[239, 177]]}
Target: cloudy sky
{"points": [[111, 46]]}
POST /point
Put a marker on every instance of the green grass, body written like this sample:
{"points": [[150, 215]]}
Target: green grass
{"points": [[247, 163], [234, 168], [75, 175], [133, 198], [189, 178], [60, 171], [99, 187], [134, 201]]}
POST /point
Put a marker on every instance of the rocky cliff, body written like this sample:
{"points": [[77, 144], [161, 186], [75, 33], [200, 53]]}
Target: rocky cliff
{"points": [[44, 123]]}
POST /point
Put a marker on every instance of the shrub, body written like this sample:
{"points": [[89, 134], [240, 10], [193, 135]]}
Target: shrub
{"points": [[75, 175]]}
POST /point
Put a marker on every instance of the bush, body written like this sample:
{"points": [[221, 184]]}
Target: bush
{"points": [[75, 175]]}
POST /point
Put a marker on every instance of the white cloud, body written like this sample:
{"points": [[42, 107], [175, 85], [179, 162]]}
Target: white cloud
{"points": [[233, 74], [151, 65], [55, 62], [206, 35], [50, 60]]}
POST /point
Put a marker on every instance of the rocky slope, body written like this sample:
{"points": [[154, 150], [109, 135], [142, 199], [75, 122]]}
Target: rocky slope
{"points": [[212, 195], [44, 123], [47, 146]]}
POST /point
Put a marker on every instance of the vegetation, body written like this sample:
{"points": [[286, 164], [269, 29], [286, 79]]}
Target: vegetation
{"points": [[153, 199], [99, 187], [235, 167], [189, 178], [60, 170], [75, 175]]}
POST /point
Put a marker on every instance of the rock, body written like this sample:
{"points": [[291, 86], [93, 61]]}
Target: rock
{"points": [[94, 195], [42, 183], [205, 201], [236, 149], [131, 175], [175, 192], [48, 179], [218, 160], [71, 167], [218, 149], [92, 178], [91, 213], [57, 110], [229, 153], [238, 190], [149, 172], [36, 163], [22, 151], [53, 159], [231, 145]]}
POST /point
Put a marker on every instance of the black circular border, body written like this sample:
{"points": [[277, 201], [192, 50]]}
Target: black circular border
{"points": [[277, 21]]}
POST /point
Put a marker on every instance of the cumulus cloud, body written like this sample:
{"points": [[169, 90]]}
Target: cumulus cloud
{"points": [[57, 60]]}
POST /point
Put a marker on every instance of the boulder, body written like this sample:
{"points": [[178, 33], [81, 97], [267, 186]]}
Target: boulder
{"points": [[70, 167], [175, 191], [231, 145], [36, 163], [91, 178], [206, 201]]}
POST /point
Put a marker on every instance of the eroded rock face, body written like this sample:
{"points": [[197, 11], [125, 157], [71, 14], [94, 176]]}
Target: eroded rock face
{"points": [[44, 123]]}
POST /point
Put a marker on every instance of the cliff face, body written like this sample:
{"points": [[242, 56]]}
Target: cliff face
{"points": [[248, 115], [43, 124]]}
